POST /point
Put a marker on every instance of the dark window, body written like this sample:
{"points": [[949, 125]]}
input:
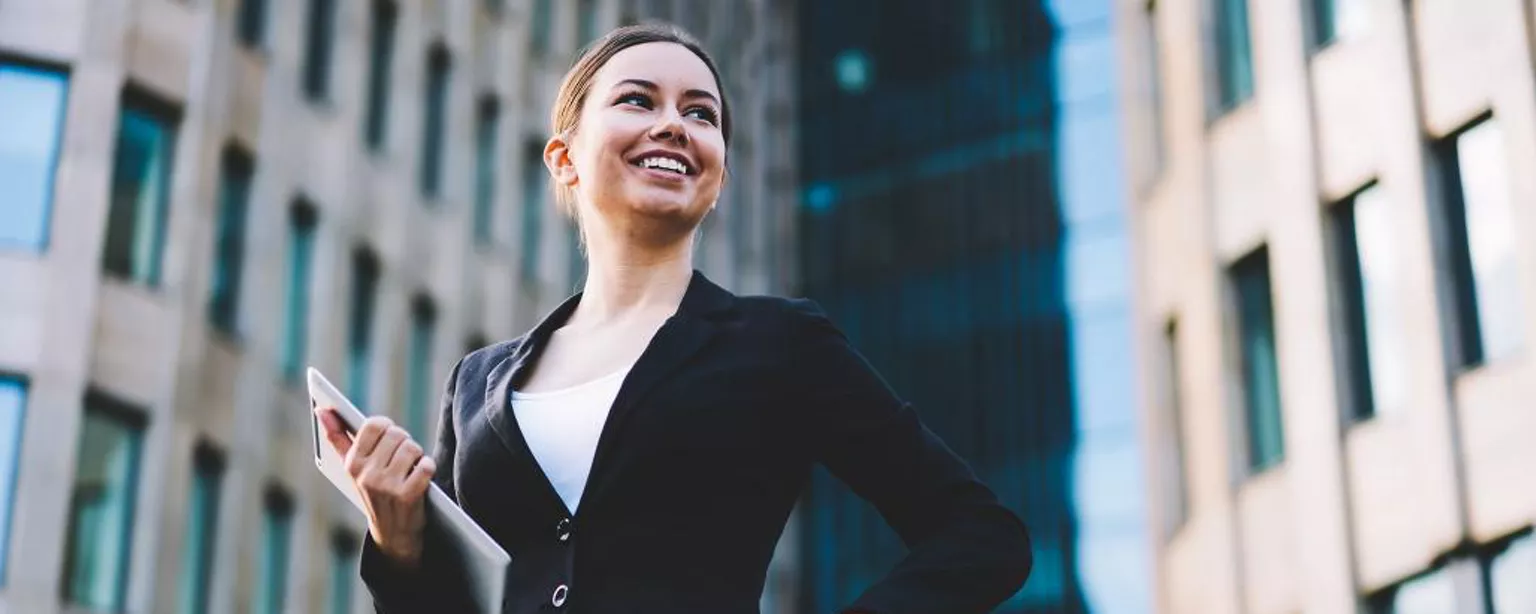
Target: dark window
{"points": [[1323, 23], [1234, 54], [539, 25], [13, 406], [251, 22], [344, 559], [418, 382], [586, 21], [301, 254], [1152, 73], [276, 543], [236, 173], [436, 108], [1170, 449], [197, 554], [30, 130], [365, 289], [1482, 245], [1260, 368], [535, 186], [141, 190], [1366, 266], [381, 58], [486, 124], [319, 40], [101, 506]]}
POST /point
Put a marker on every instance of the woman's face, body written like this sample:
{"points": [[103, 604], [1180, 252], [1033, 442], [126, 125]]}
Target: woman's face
{"points": [[648, 151]]}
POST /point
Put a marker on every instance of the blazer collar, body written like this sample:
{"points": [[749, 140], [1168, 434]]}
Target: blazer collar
{"points": [[682, 335]]}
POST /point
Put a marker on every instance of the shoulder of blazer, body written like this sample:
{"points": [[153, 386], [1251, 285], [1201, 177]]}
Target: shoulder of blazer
{"points": [[477, 365], [796, 317]]}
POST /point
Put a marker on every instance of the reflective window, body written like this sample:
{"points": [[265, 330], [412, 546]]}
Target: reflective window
{"points": [[301, 254], [1368, 277], [1434, 593], [433, 123], [539, 25], [535, 184], [251, 22], [1512, 577], [202, 530], [31, 121], [1234, 53], [276, 538], [1480, 220], [344, 558], [419, 386], [13, 404], [486, 125], [1333, 20], [381, 55], [1259, 365], [229, 247], [319, 41], [140, 197], [101, 507], [365, 290], [586, 21]]}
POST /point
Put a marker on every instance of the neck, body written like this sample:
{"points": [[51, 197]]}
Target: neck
{"points": [[627, 280]]}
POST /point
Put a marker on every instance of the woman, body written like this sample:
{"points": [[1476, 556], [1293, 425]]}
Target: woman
{"points": [[641, 448]]}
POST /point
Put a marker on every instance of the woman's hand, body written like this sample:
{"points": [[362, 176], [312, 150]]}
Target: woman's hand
{"points": [[391, 475]]}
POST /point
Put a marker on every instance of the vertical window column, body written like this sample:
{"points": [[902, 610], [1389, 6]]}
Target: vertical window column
{"points": [[535, 186], [30, 130], [301, 253], [236, 173], [13, 404], [101, 506], [276, 537], [419, 372], [380, 62], [1234, 54], [1259, 361], [318, 43], [487, 122], [434, 122], [141, 190], [197, 553], [365, 289]]}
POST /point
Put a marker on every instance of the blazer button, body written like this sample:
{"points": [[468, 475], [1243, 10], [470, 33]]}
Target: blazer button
{"points": [[563, 530], [558, 599]]}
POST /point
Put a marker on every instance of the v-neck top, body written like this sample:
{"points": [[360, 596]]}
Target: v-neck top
{"points": [[562, 427]]}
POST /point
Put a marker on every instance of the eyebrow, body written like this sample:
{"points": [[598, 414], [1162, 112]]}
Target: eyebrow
{"points": [[653, 87]]}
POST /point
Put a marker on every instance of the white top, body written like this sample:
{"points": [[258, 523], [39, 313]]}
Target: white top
{"points": [[562, 427]]}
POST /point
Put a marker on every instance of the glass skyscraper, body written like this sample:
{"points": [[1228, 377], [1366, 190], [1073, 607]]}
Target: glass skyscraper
{"points": [[961, 220]]}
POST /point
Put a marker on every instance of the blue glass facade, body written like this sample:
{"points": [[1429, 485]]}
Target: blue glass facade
{"points": [[962, 221]]}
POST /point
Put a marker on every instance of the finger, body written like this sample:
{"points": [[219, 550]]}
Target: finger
{"points": [[385, 451], [335, 430], [368, 436], [421, 475], [405, 458]]}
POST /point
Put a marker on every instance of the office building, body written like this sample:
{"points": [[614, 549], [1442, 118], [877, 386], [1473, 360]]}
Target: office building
{"points": [[961, 221], [199, 199], [1334, 312]]}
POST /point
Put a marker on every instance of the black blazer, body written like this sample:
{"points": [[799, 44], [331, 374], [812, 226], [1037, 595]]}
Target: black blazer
{"points": [[706, 449]]}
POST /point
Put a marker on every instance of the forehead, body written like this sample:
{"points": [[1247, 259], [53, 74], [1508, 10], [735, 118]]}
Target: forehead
{"points": [[669, 65]]}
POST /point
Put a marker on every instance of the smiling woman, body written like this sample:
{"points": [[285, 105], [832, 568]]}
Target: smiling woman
{"points": [[640, 449]]}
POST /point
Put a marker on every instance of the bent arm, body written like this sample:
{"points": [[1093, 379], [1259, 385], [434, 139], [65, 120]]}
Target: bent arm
{"points": [[967, 553]]}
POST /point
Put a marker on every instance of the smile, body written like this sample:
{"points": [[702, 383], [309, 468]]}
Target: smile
{"points": [[664, 161]]}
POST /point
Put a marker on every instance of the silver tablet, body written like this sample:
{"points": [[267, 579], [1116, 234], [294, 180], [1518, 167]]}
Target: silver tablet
{"points": [[484, 561]]}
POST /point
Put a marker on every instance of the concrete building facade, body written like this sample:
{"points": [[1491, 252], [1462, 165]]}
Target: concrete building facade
{"points": [[199, 197], [1332, 212]]}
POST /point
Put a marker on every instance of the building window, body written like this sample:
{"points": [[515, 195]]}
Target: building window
{"points": [[251, 22], [1234, 54], [1482, 243], [419, 373], [236, 172], [535, 186], [301, 254], [586, 21], [1366, 278], [101, 506], [276, 538], [1153, 76], [1329, 21], [202, 529], [13, 404], [380, 61], [436, 108], [319, 40], [141, 190], [365, 290], [30, 130], [539, 25], [1259, 365], [486, 124], [1509, 576], [344, 558], [1171, 449]]}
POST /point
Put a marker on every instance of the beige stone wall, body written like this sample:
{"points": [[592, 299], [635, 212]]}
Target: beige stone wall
{"points": [[67, 328], [1352, 509]]}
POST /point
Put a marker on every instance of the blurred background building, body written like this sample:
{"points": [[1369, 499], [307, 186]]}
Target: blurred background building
{"points": [[199, 198], [1335, 290]]}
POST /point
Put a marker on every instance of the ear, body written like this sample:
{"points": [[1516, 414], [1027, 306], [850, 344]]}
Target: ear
{"points": [[557, 157]]}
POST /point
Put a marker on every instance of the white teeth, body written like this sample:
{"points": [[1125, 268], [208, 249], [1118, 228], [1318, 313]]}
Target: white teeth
{"points": [[664, 163]]}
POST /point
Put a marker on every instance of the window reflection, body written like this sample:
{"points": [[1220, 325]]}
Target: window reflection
{"points": [[101, 508], [1512, 576], [1260, 367], [202, 528], [277, 530], [13, 403], [29, 149], [1491, 239], [141, 178]]}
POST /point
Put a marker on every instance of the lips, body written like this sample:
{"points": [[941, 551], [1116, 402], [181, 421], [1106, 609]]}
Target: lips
{"points": [[665, 161]]}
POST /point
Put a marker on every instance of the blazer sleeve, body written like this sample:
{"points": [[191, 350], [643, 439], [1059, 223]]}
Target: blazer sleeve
{"points": [[436, 585], [967, 553]]}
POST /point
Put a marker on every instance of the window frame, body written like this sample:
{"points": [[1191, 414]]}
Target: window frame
{"points": [[1255, 459], [140, 102], [134, 422], [64, 77], [303, 221], [384, 25], [224, 308], [1229, 53]]}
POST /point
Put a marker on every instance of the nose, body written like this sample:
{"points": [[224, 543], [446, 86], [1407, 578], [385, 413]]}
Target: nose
{"points": [[669, 127]]}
